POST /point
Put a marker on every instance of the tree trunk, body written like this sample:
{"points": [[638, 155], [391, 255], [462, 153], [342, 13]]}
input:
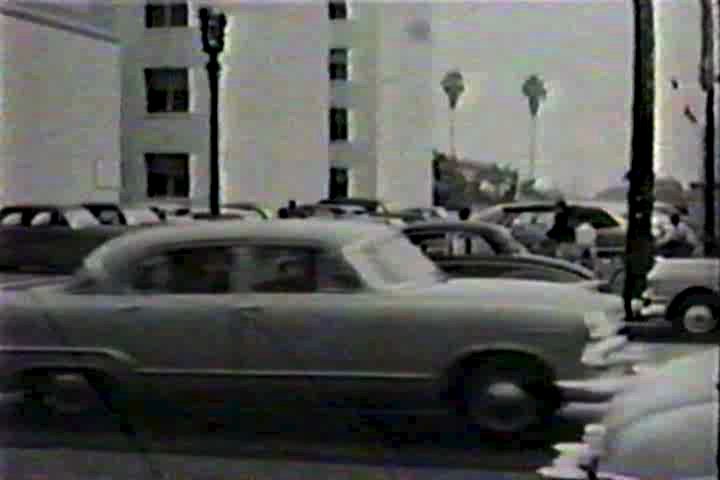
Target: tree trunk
{"points": [[639, 245]]}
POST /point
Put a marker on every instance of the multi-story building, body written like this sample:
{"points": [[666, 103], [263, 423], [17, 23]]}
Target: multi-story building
{"points": [[317, 99], [59, 103]]}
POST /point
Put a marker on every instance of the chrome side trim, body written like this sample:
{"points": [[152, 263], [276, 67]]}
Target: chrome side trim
{"points": [[286, 373], [74, 351]]}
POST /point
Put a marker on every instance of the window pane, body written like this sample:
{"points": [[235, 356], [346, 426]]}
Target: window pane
{"points": [[154, 16], [338, 124], [201, 270], [156, 101], [179, 15], [337, 9], [180, 101], [284, 270]]}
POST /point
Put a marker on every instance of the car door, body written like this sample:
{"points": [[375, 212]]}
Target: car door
{"points": [[319, 340], [172, 321]]}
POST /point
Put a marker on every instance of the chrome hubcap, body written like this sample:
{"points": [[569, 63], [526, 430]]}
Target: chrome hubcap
{"points": [[699, 319], [504, 407]]}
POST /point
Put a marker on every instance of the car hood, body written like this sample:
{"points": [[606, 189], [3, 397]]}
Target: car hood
{"points": [[684, 267], [564, 296], [688, 380]]}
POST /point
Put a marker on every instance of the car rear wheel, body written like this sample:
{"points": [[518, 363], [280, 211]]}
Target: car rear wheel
{"points": [[509, 395], [61, 393], [698, 315]]}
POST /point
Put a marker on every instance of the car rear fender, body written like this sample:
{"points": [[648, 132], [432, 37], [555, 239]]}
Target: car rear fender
{"points": [[19, 361]]}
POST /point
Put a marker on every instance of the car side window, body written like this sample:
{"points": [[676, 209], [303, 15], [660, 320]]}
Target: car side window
{"points": [[595, 217], [264, 269], [42, 219], [197, 270], [467, 243], [335, 275], [431, 243]]}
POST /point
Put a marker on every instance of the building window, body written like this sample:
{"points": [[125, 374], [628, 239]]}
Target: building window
{"points": [[168, 174], [167, 90], [166, 15], [339, 125], [339, 183], [337, 10], [338, 64]]}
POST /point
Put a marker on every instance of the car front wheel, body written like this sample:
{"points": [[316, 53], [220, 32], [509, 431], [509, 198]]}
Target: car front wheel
{"points": [[698, 315], [508, 396]]}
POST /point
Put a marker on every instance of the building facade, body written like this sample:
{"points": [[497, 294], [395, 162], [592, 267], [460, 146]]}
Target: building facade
{"points": [[59, 103], [317, 99]]}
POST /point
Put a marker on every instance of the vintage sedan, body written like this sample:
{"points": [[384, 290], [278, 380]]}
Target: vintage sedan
{"points": [[685, 292], [481, 249], [665, 425], [339, 313]]}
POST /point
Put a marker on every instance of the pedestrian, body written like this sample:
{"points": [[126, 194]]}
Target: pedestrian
{"points": [[678, 239], [292, 209], [562, 232], [464, 214]]}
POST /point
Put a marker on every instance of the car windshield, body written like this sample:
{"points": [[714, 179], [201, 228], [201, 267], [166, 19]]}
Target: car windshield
{"points": [[80, 218], [394, 261]]}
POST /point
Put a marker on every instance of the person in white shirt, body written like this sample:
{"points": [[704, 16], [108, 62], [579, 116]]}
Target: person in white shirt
{"points": [[678, 238]]}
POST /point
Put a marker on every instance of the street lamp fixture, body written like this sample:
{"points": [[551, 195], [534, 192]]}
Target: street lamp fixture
{"points": [[212, 27]]}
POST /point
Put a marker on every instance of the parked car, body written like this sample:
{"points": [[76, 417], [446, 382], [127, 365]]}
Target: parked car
{"points": [[45, 239], [114, 214], [369, 205], [529, 222], [665, 425], [410, 215], [250, 210], [685, 292], [249, 311], [493, 253]]}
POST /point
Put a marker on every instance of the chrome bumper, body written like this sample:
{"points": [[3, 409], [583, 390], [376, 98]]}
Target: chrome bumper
{"points": [[614, 351]]}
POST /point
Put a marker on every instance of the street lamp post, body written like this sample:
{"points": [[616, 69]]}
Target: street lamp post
{"points": [[454, 86], [212, 27]]}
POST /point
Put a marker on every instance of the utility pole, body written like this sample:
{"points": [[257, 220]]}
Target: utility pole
{"points": [[639, 243], [707, 82]]}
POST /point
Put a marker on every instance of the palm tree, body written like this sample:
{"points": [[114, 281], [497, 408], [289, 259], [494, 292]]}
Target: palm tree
{"points": [[639, 243], [534, 89]]}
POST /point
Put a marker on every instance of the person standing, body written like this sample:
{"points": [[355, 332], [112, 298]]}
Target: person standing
{"points": [[562, 232], [678, 239]]}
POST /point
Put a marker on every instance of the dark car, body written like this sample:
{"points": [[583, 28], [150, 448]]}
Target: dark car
{"points": [[114, 214], [370, 205], [49, 239], [529, 222], [481, 249]]}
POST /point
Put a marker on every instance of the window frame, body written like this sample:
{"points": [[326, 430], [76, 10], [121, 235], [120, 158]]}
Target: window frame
{"points": [[170, 94], [338, 10], [339, 64], [338, 134], [168, 9], [171, 181]]}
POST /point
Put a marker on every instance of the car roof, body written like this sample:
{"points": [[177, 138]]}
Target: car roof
{"points": [[331, 235]]}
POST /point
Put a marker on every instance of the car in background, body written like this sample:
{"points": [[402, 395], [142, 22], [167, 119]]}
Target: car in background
{"points": [[665, 425], [113, 214], [480, 249], [250, 210], [530, 221], [370, 206], [48, 239], [410, 215], [250, 310], [685, 291]]}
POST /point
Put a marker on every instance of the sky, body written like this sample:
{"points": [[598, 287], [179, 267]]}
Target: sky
{"points": [[582, 49]]}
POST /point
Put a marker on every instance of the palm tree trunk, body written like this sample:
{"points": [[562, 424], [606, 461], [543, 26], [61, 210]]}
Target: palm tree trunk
{"points": [[639, 244]]}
